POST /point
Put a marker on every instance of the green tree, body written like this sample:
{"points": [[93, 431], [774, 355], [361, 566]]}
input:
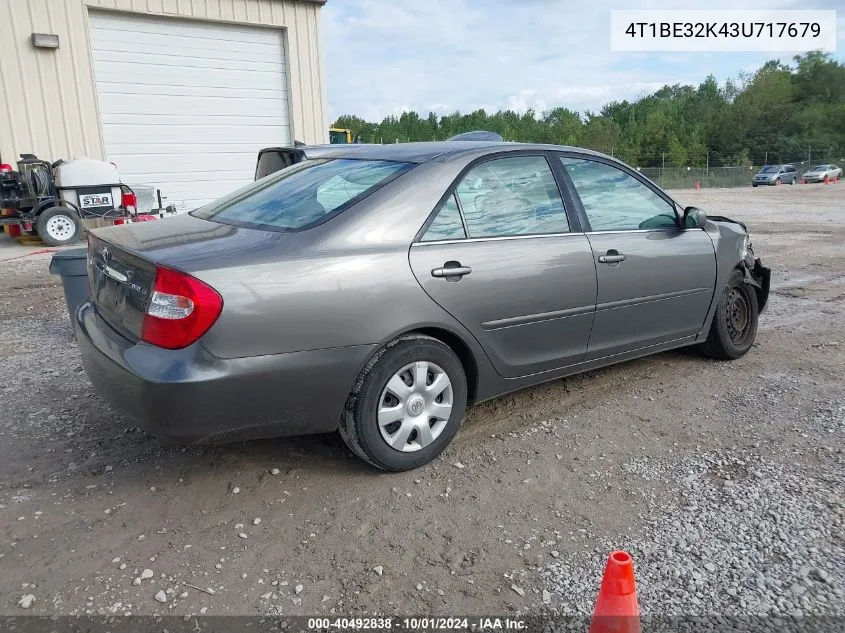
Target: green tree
{"points": [[776, 112]]}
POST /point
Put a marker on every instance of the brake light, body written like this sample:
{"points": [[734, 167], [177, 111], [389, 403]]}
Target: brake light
{"points": [[181, 309], [5, 167]]}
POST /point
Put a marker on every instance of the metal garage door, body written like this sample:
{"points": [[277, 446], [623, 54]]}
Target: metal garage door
{"points": [[186, 105]]}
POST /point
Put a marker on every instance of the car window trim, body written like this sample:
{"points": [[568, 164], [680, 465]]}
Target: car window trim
{"points": [[588, 229], [571, 205], [452, 190], [578, 212], [498, 238], [460, 206]]}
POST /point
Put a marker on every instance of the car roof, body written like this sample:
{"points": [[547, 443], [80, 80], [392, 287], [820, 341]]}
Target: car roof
{"points": [[442, 151]]}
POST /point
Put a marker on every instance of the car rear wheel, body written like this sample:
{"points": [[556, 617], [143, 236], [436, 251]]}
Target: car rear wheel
{"points": [[407, 404], [734, 326]]}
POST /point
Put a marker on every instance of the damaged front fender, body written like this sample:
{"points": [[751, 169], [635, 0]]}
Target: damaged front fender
{"points": [[760, 278]]}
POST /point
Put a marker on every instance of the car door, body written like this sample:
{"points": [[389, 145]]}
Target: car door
{"points": [[503, 257], [655, 279]]}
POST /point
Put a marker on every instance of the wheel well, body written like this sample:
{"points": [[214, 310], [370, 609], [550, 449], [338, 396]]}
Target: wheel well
{"points": [[463, 353], [49, 203], [762, 295]]}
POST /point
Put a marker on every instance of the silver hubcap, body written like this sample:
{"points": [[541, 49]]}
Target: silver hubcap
{"points": [[415, 406], [60, 227]]}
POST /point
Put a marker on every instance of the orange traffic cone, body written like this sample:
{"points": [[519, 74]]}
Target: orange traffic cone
{"points": [[826, 180], [698, 185], [836, 180], [616, 609]]}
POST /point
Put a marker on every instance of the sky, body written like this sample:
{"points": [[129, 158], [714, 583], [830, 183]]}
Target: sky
{"points": [[387, 56]]}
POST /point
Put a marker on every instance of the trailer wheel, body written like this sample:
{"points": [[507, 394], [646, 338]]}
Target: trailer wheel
{"points": [[58, 226]]}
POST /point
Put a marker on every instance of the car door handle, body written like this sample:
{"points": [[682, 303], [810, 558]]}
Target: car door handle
{"points": [[612, 257], [451, 271]]}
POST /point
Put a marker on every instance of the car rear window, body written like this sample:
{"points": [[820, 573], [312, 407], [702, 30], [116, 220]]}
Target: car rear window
{"points": [[302, 195]]}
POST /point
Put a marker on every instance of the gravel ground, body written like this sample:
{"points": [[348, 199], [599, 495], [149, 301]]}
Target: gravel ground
{"points": [[767, 537], [724, 480]]}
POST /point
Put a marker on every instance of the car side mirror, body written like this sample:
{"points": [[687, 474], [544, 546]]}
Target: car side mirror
{"points": [[694, 218]]}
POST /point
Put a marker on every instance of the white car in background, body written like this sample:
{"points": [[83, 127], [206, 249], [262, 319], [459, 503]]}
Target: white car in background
{"points": [[820, 172]]}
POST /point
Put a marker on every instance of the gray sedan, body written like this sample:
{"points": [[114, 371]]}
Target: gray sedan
{"points": [[380, 290]]}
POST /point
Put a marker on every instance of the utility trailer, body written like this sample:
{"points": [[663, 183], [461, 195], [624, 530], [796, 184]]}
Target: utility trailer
{"points": [[51, 200]]}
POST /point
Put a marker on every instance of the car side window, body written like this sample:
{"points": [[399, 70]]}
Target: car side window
{"points": [[512, 196], [447, 224], [614, 200]]}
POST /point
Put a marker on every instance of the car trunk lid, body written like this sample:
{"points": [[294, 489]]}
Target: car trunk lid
{"points": [[122, 260], [120, 284]]}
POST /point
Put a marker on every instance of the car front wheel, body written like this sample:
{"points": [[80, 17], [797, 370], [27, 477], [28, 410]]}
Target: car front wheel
{"points": [[407, 404], [734, 325]]}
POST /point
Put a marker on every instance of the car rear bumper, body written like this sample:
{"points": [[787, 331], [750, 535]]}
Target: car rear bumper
{"points": [[191, 396]]}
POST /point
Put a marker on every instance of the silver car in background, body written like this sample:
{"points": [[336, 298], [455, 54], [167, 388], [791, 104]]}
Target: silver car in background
{"points": [[377, 290], [820, 173]]}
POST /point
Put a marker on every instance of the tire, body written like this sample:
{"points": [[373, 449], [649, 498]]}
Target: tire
{"points": [[794, 181], [398, 361], [753, 184], [58, 226], [727, 340]]}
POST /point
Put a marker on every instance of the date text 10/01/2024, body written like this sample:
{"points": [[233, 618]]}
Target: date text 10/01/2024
{"points": [[418, 623]]}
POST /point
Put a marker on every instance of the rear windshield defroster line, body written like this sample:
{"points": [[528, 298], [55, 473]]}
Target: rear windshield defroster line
{"points": [[303, 195]]}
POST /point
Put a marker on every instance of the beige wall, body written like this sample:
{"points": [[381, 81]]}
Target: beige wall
{"points": [[48, 104]]}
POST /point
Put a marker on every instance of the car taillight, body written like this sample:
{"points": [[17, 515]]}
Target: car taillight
{"points": [[5, 167], [181, 309]]}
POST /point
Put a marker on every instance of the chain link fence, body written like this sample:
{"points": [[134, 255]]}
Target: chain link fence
{"points": [[687, 177]]}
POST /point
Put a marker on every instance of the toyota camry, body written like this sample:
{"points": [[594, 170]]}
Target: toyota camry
{"points": [[379, 290]]}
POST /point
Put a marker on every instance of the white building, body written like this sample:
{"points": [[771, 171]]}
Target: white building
{"points": [[180, 94]]}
